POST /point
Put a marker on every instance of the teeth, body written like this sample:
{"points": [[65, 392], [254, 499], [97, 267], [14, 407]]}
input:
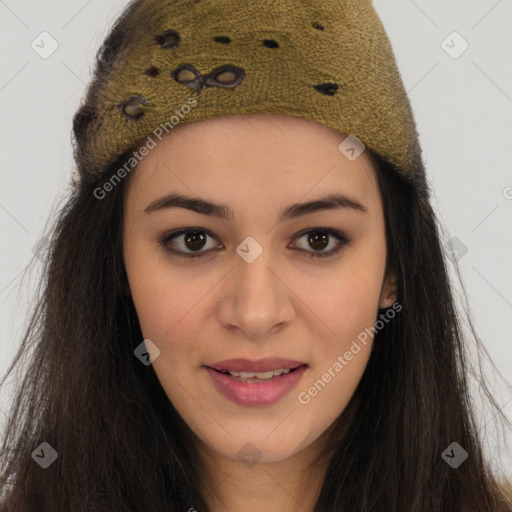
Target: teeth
{"points": [[259, 375]]}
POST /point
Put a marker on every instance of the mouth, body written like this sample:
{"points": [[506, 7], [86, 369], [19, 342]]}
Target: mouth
{"points": [[241, 365], [256, 388], [267, 376]]}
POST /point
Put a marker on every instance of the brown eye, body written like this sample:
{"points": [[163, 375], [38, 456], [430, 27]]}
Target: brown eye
{"points": [[319, 238], [190, 239], [194, 240]]}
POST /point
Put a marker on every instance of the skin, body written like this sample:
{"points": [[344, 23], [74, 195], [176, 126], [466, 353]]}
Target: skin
{"points": [[284, 303]]}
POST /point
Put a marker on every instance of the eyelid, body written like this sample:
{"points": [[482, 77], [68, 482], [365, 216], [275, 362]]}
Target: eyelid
{"points": [[334, 233], [167, 237], [342, 239]]}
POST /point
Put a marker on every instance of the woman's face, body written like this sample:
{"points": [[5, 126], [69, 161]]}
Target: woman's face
{"points": [[255, 292]]}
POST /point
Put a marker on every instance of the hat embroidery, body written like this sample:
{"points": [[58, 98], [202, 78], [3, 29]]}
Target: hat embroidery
{"points": [[227, 76], [133, 107]]}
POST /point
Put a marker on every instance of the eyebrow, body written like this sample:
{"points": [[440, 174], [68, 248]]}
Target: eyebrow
{"points": [[223, 211]]}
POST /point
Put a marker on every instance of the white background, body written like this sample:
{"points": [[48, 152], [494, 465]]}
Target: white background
{"points": [[463, 109]]}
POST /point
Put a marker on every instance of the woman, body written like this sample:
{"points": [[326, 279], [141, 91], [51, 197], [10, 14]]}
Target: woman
{"points": [[246, 302]]}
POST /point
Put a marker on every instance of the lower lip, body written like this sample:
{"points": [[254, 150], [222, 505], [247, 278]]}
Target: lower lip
{"points": [[255, 393]]}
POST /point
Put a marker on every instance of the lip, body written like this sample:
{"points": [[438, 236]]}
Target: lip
{"points": [[258, 365], [255, 393]]}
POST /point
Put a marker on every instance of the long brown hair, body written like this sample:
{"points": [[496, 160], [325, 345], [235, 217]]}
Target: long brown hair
{"points": [[121, 444]]}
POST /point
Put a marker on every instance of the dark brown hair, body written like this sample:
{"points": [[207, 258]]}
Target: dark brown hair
{"points": [[121, 444]]}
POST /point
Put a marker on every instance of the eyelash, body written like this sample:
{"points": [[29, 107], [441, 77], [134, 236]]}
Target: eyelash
{"points": [[343, 241]]}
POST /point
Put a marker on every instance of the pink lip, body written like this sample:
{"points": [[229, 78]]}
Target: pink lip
{"points": [[256, 393], [259, 365]]}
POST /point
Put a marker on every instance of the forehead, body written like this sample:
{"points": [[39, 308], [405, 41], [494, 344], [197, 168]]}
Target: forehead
{"points": [[267, 158]]}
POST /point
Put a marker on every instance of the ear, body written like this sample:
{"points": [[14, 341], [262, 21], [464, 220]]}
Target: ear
{"points": [[389, 293]]}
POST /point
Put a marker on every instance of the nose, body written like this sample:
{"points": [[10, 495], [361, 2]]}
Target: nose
{"points": [[256, 299]]}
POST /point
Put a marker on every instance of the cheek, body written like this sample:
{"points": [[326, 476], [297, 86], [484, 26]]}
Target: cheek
{"points": [[355, 306], [348, 300], [349, 306], [340, 359], [168, 307], [164, 297]]}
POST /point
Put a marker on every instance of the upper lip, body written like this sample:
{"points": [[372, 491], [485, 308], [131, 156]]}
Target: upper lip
{"points": [[257, 365]]}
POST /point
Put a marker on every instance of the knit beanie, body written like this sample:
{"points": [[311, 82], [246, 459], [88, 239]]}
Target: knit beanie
{"points": [[181, 61]]}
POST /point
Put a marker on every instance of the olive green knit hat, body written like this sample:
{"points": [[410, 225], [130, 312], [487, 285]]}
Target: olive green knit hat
{"points": [[180, 61]]}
